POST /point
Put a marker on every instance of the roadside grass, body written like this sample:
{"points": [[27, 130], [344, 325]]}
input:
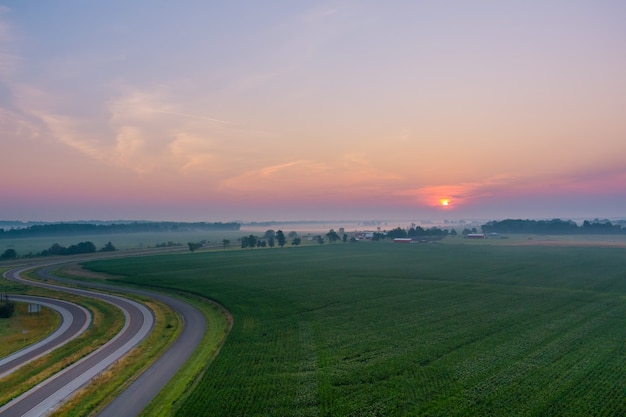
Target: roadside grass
{"points": [[24, 329], [372, 329]]}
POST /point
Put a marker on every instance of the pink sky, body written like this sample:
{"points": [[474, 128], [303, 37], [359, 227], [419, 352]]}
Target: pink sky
{"points": [[332, 110]]}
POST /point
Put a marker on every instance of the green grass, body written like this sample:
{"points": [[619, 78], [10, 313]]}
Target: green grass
{"points": [[399, 330]]}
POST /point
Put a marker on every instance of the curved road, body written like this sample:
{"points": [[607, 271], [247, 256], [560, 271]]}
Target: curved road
{"points": [[59, 388], [74, 321]]}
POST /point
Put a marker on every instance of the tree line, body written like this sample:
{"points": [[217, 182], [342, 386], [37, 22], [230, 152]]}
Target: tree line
{"points": [[553, 227], [270, 238], [412, 232], [64, 229], [57, 249]]}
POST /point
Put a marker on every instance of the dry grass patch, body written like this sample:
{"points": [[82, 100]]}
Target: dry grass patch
{"points": [[35, 326]]}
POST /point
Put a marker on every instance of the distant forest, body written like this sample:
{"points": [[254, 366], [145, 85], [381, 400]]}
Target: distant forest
{"points": [[555, 227], [69, 229]]}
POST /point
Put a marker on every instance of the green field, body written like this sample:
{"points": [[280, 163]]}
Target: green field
{"points": [[381, 329]]}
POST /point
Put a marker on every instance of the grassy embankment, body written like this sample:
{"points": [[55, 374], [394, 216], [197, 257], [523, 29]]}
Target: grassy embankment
{"points": [[396, 330]]}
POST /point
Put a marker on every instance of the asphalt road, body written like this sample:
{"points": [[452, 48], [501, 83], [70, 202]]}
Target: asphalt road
{"points": [[59, 388], [74, 321]]}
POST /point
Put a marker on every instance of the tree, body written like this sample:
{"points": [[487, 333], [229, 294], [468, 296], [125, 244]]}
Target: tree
{"points": [[296, 241], [319, 239], [280, 238], [269, 234], [398, 232], [345, 238], [252, 240], [193, 246], [82, 247], [108, 248], [332, 236], [271, 242], [56, 249], [378, 236], [9, 254], [225, 243], [6, 309]]}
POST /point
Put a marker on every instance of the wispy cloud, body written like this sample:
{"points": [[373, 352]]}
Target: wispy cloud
{"points": [[460, 193], [340, 179], [292, 176], [65, 130], [194, 116], [606, 181], [276, 169]]}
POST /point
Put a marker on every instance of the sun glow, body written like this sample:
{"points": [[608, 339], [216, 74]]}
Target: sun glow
{"points": [[444, 202]]}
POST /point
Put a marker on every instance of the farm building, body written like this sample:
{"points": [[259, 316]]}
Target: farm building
{"points": [[476, 236], [402, 240]]}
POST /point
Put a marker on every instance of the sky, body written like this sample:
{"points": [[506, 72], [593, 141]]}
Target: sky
{"points": [[285, 110]]}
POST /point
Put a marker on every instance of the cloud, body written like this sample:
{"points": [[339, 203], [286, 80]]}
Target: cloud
{"points": [[461, 193], [277, 169], [279, 178], [347, 178], [194, 116], [17, 126], [195, 154], [65, 130], [606, 181]]}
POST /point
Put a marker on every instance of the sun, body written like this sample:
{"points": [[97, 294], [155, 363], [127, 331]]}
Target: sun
{"points": [[444, 202]]}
